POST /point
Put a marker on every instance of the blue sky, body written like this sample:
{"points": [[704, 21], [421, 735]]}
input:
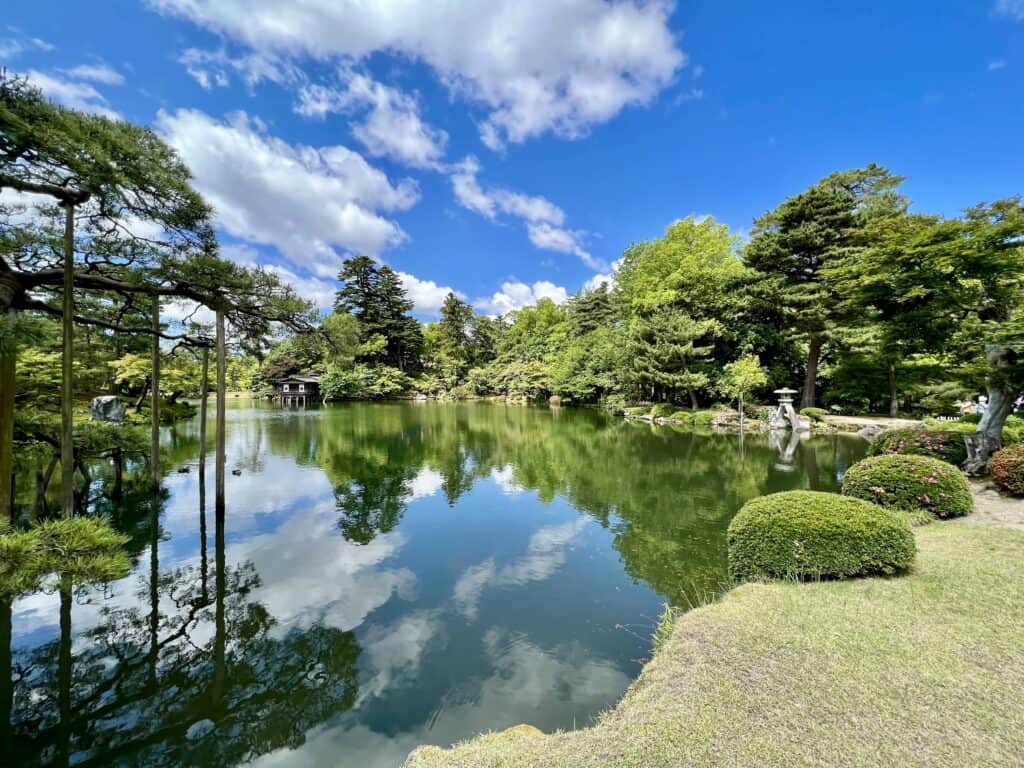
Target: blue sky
{"points": [[513, 148]]}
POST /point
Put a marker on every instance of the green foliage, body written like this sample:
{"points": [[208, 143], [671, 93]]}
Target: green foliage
{"points": [[703, 418], [1007, 469], [945, 443], [910, 483], [667, 354], [814, 414], [741, 377], [812, 535], [684, 416], [364, 382], [662, 410], [82, 549], [376, 298], [638, 410]]}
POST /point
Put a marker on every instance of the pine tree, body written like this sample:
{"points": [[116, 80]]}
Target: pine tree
{"points": [[667, 354], [794, 244]]}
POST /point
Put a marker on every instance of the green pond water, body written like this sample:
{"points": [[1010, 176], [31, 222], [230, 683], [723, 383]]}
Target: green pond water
{"points": [[385, 576]]}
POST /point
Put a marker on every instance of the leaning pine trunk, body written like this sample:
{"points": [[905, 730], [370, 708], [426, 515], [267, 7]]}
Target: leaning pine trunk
{"points": [[989, 436], [67, 436], [811, 381]]}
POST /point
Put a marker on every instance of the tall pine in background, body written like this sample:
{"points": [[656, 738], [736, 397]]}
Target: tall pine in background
{"points": [[794, 244]]}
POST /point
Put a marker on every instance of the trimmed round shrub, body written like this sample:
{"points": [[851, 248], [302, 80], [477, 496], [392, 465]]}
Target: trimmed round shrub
{"points": [[814, 535], [663, 410], [910, 483], [945, 445], [703, 418], [684, 416], [1007, 469], [637, 410], [813, 413]]}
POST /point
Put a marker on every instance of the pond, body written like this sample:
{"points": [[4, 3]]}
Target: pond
{"points": [[385, 575]]}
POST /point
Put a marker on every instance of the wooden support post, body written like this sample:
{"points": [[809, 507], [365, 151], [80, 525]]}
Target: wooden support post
{"points": [[67, 436], [8, 361], [154, 423], [204, 395], [221, 406]]}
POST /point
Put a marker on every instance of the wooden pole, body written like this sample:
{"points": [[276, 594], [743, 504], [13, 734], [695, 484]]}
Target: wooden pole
{"points": [[67, 436], [154, 425], [204, 395], [221, 406], [8, 361]]}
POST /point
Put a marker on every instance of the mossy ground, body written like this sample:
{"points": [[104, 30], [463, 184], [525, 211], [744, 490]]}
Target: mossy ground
{"points": [[920, 670]]}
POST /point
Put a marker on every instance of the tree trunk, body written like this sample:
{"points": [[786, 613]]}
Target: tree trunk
{"points": [[67, 448], [811, 381], [221, 406], [741, 414], [154, 416], [894, 400], [142, 396], [8, 360], [693, 399], [989, 436]]}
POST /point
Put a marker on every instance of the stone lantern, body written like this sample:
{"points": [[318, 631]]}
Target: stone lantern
{"points": [[785, 416]]}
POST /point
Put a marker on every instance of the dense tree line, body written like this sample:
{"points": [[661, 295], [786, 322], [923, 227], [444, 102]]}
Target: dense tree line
{"points": [[841, 289]]}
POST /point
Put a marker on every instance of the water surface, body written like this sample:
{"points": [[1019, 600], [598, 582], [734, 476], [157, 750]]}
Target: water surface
{"points": [[384, 576]]}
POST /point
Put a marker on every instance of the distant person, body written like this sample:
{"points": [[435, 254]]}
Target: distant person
{"points": [[982, 405]]}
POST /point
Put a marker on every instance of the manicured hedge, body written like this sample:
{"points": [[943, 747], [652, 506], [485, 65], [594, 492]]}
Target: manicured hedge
{"points": [[943, 444], [663, 410], [910, 483], [1007, 469], [812, 535], [684, 416]]}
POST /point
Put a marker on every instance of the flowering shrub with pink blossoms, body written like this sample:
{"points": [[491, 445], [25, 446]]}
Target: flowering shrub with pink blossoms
{"points": [[910, 483]]}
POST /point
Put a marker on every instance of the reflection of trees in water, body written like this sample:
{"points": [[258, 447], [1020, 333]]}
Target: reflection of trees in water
{"points": [[179, 679], [666, 495]]}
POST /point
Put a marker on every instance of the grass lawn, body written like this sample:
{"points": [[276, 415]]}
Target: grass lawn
{"points": [[923, 670]]}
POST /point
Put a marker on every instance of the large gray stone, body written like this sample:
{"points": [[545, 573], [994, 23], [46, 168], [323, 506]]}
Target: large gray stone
{"points": [[107, 408]]}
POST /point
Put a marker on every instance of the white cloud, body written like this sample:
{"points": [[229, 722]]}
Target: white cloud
{"points": [[97, 73], [10, 47], [391, 126], [72, 93], [1012, 8], [996, 65], [305, 201], [539, 66], [516, 295], [426, 295], [544, 220], [551, 238], [214, 68]]}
